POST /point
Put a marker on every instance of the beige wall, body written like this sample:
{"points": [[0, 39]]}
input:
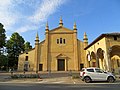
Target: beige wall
{"points": [[67, 47], [81, 53], [22, 61]]}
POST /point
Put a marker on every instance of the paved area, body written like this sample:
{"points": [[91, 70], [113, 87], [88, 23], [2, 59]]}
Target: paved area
{"points": [[37, 86], [48, 78], [62, 80], [45, 78]]}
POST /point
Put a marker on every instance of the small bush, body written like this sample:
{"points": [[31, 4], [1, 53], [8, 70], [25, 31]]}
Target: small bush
{"points": [[15, 76]]}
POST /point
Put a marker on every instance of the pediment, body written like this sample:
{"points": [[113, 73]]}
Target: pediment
{"points": [[61, 30], [61, 56]]}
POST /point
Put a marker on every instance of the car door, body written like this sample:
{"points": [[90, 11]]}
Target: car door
{"points": [[100, 75], [91, 73]]}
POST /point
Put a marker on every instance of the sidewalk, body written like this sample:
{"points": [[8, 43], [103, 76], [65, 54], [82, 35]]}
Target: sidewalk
{"points": [[47, 78], [61, 80]]}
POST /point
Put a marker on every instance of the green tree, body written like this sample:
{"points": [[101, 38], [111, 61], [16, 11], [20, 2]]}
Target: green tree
{"points": [[2, 37], [3, 62], [27, 46], [14, 47]]}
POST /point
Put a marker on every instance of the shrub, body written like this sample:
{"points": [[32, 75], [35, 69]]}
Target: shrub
{"points": [[14, 76]]}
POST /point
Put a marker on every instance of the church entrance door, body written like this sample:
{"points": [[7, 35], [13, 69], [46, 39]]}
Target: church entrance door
{"points": [[61, 64], [40, 67], [26, 67]]}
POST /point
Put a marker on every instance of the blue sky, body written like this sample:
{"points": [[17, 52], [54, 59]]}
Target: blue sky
{"points": [[29, 16]]}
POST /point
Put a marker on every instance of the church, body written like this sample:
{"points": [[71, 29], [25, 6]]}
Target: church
{"points": [[60, 51], [63, 51]]}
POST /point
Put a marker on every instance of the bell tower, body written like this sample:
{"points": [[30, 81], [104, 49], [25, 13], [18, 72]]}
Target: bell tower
{"points": [[36, 60], [76, 61], [61, 22], [85, 40], [47, 62]]}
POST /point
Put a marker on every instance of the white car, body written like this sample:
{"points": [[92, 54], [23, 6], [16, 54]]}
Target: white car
{"points": [[96, 74]]}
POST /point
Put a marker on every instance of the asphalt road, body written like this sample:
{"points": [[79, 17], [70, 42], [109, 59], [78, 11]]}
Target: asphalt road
{"points": [[11, 86]]}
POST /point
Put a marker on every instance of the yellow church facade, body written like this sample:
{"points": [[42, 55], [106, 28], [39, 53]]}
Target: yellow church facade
{"points": [[60, 51]]}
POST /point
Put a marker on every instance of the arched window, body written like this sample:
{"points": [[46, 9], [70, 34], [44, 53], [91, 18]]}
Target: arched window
{"points": [[57, 41], [64, 41], [60, 40]]}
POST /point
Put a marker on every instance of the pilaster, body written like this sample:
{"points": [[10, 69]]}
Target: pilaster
{"points": [[76, 61], [36, 60], [47, 65]]}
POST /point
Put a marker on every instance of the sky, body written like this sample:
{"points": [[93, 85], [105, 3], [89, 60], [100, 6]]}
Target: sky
{"points": [[27, 17]]}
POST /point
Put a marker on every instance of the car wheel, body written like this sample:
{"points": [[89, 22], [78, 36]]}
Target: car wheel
{"points": [[87, 79], [110, 79]]}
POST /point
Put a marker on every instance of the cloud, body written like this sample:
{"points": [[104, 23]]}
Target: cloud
{"points": [[5, 3], [24, 15], [8, 37], [5, 14], [27, 27], [40, 15], [9, 15], [47, 8]]}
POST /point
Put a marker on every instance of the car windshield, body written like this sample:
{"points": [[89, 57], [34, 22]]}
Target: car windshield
{"points": [[99, 70]]}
